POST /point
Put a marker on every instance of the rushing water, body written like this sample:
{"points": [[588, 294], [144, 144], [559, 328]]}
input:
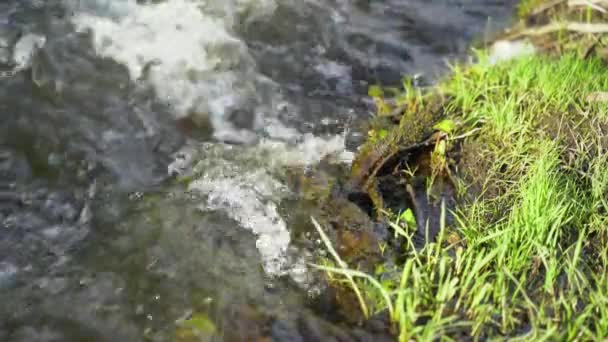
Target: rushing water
{"points": [[103, 103]]}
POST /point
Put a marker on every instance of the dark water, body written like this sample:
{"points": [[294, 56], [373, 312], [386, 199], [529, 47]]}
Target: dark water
{"points": [[97, 243]]}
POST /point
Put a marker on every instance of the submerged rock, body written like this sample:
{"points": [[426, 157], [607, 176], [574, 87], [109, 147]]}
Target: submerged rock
{"points": [[348, 225]]}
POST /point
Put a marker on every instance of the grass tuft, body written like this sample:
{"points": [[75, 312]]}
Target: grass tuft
{"points": [[533, 259]]}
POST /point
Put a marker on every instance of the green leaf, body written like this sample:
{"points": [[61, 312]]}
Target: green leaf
{"points": [[407, 83], [382, 133], [381, 268], [408, 217], [447, 126], [440, 149], [200, 322], [375, 91], [394, 91]]}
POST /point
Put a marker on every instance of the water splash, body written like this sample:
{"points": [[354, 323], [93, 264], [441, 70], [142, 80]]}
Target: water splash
{"points": [[503, 50], [187, 52], [245, 182]]}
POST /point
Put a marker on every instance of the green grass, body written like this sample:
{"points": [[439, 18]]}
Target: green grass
{"points": [[533, 257], [525, 7]]}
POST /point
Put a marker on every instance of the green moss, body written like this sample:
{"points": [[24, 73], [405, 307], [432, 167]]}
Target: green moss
{"points": [[415, 123], [525, 7], [196, 328]]}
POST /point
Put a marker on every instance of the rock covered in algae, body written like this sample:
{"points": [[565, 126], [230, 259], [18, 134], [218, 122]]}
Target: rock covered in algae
{"points": [[348, 225]]}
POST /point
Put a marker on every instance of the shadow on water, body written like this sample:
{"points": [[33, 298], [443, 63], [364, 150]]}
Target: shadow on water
{"points": [[97, 244]]}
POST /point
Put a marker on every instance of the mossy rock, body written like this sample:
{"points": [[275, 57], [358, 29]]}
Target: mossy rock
{"points": [[378, 156]]}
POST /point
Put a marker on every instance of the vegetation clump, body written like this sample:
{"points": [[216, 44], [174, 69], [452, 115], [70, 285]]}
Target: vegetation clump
{"points": [[526, 253], [395, 129]]}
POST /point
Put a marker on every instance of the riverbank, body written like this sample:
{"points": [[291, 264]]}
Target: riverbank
{"points": [[494, 188]]}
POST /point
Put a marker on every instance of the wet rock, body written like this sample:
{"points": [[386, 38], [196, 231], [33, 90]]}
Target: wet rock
{"points": [[350, 227], [405, 131], [34, 232], [343, 214], [311, 185], [357, 244]]}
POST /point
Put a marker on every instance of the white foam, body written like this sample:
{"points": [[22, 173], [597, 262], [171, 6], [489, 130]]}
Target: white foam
{"points": [[504, 50], [243, 181], [187, 48], [244, 203], [187, 51], [25, 49], [310, 150]]}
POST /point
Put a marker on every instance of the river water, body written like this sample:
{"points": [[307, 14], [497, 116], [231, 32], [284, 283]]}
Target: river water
{"points": [[105, 103]]}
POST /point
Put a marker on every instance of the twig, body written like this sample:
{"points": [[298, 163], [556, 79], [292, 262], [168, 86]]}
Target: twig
{"points": [[546, 6], [568, 26], [465, 135], [397, 111], [426, 143], [434, 139], [594, 4], [590, 49]]}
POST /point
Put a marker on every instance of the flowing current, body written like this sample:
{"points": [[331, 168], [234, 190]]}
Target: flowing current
{"points": [[144, 145]]}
